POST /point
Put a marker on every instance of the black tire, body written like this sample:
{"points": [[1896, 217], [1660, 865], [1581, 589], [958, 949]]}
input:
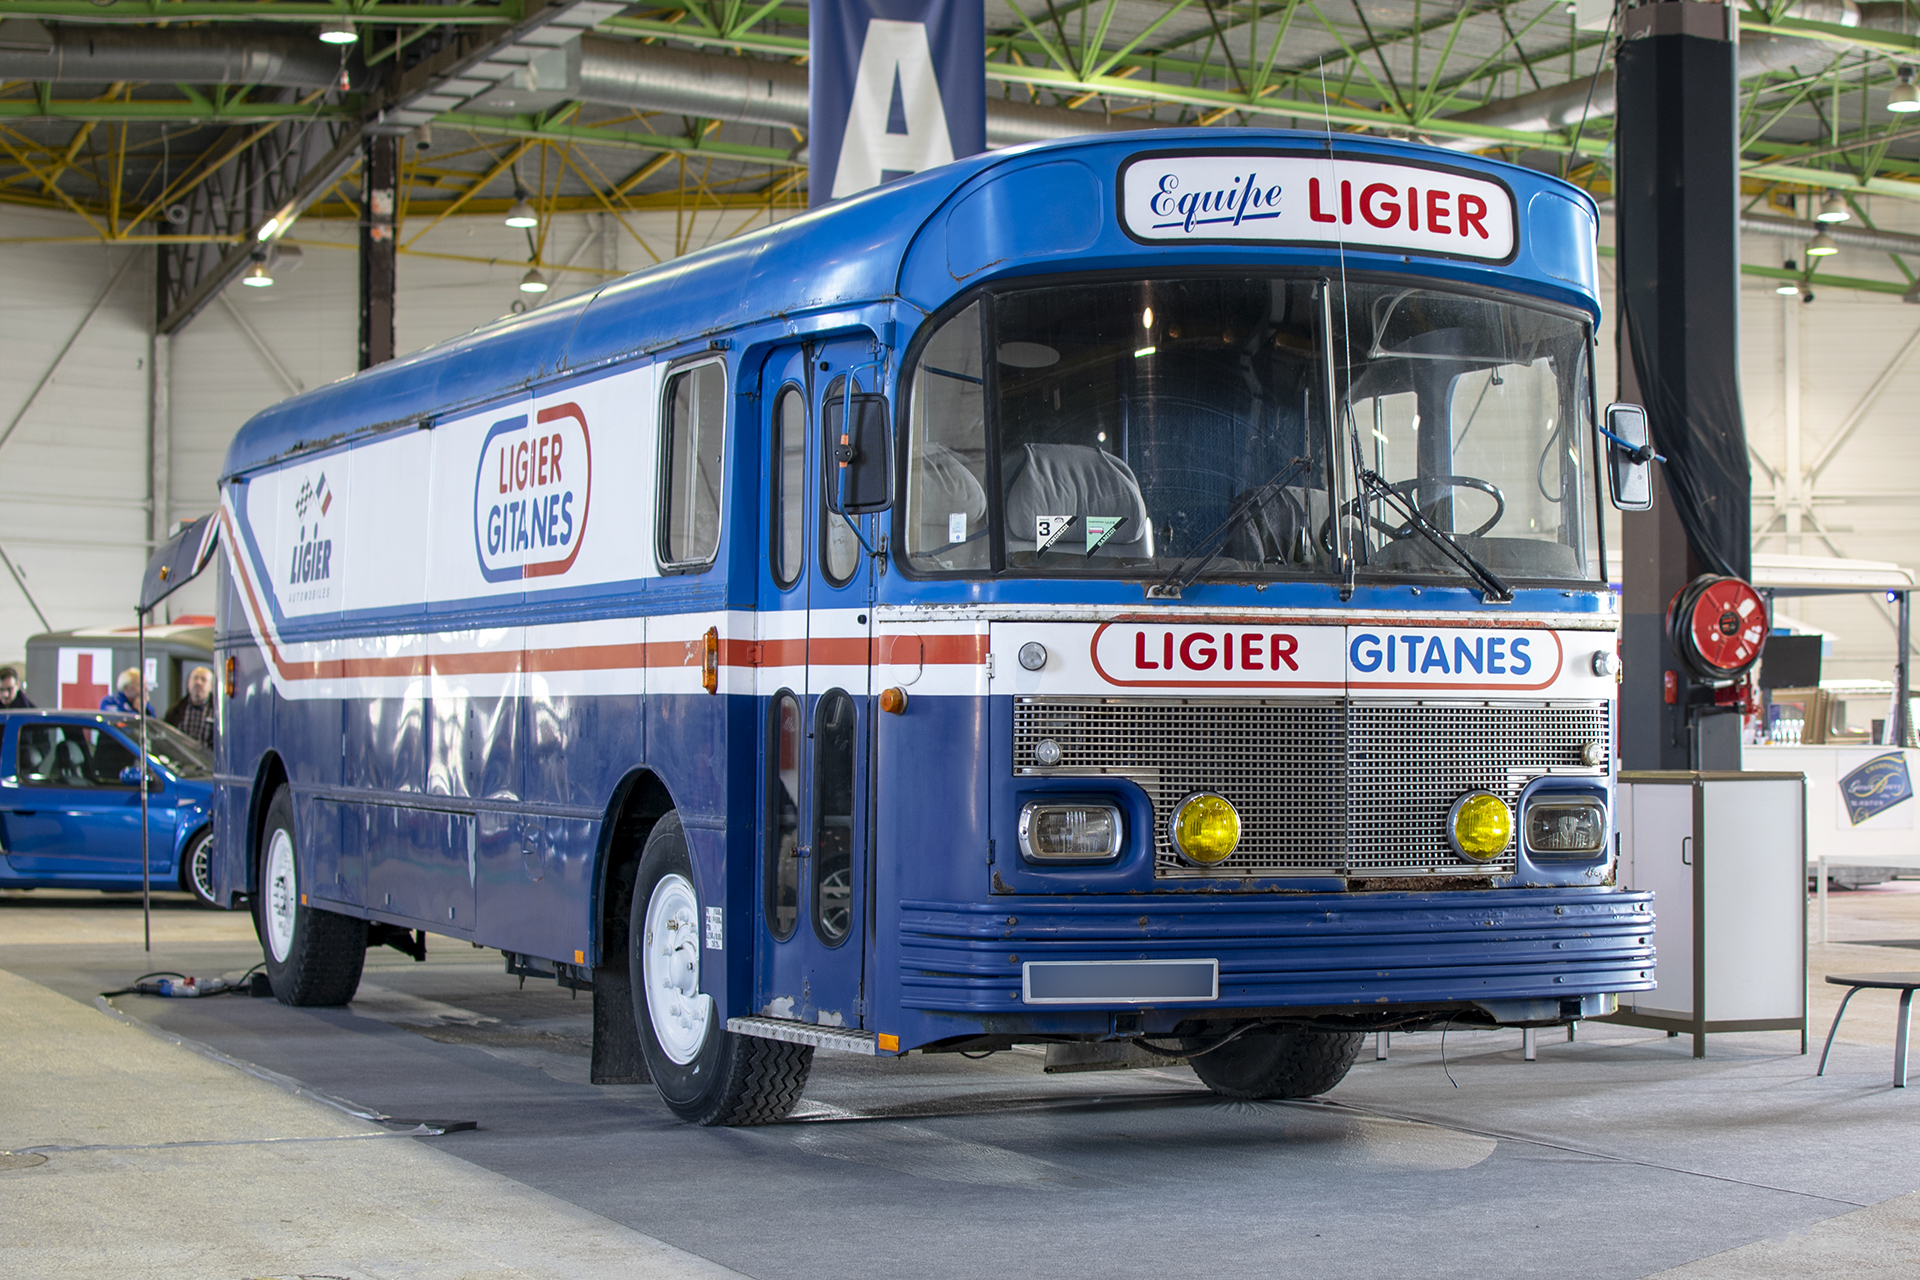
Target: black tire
{"points": [[727, 1079], [324, 951], [1284, 1062], [196, 869]]}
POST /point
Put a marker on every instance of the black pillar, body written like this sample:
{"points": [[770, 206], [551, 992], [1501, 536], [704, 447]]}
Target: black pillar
{"points": [[380, 171], [1678, 255]]}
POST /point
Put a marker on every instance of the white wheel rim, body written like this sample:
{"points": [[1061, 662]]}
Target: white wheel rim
{"points": [[670, 968], [200, 866], [283, 895]]}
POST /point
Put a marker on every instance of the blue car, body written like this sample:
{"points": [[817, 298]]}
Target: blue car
{"points": [[70, 803]]}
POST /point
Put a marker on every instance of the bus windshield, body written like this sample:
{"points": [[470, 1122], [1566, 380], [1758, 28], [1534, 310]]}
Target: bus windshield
{"points": [[1477, 410], [1134, 428]]}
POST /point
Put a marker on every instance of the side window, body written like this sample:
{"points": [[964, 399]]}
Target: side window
{"points": [[946, 490], [789, 491], [42, 763], [695, 433], [110, 756], [833, 743], [840, 545], [783, 816]]}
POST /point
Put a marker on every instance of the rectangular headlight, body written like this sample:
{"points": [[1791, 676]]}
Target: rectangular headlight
{"points": [[1572, 827], [1070, 832]]}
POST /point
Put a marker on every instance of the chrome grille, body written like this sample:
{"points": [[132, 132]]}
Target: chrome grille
{"points": [[1326, 787]]}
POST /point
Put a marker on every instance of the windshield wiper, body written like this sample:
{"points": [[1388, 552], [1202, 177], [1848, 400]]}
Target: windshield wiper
{"points": [[1496, 590], [1182, 577]]}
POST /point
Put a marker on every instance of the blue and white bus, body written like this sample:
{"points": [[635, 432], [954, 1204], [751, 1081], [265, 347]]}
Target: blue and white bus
{"points": [[1135, 591]]}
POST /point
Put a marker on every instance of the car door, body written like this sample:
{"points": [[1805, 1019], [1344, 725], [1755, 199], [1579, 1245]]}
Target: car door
{"points": [[70, 814]]}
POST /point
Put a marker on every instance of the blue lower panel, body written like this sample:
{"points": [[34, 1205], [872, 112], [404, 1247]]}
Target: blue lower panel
{"points": [[1320, 950]]}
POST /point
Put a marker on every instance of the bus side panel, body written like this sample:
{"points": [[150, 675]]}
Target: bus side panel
{"points": [[930, 768], [246, 735]]}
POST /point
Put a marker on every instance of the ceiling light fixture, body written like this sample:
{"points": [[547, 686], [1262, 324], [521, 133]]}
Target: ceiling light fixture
{"points": [[1905, 96], [1789, 288], [258, 277], [533, 282], [1822, 246], [1832, 209], [522, 214], [338, 31]]}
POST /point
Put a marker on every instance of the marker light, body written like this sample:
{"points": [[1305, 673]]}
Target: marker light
{"points": [[1069, 832], [1205, 829], [1480, 826], [1566, 826]]}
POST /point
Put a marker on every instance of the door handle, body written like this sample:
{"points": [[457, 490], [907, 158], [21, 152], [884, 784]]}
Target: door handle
{"points": [[1686, 851]]}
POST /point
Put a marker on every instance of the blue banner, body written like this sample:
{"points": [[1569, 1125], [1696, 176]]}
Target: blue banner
{"points": [[1876, 786], [898, 86]]}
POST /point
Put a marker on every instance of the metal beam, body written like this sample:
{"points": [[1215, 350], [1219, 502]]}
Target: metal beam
{"points": [[180, 111], [533, 127], [384, 15]]}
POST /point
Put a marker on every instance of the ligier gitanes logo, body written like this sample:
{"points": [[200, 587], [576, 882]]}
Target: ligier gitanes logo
{"points": [[530, 494], [310, 562], [1269, 198], [1876, 786]]}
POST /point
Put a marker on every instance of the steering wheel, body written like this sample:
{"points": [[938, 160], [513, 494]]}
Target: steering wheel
{"points": [[1405, 529]]}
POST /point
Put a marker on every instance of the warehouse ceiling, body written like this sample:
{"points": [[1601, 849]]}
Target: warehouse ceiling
{"points": [[193, 123]]}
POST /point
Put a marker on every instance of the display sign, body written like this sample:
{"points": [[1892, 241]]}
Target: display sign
{"points": [[1264, 198], [896, 87], [1252, 656], [1875, 787]]}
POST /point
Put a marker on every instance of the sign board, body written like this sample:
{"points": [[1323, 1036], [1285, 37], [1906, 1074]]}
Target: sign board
{"points": [[1227, 197]]}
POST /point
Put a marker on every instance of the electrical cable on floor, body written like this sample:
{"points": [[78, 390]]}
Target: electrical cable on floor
{"points": [[175, 985]]}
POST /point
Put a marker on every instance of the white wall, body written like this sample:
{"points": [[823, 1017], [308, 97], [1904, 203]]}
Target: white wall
{"points": [[74, 476]]}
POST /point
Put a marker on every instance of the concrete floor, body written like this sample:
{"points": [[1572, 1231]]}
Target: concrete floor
{"points": [[208, 1139]]}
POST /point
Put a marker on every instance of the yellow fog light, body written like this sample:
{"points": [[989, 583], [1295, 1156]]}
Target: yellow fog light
{"points": [[1205, 829], [1480, 826]]}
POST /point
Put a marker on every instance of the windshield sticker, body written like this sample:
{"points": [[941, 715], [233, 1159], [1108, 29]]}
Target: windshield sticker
{"points": [[1101, 528], [1281, 199], [1048, 530]]}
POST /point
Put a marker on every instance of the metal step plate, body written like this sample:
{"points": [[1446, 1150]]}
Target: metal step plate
{"points": [[839, 1038]]}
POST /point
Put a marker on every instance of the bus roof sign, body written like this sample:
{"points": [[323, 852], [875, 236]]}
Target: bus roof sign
{"points": [[1240, 197]]}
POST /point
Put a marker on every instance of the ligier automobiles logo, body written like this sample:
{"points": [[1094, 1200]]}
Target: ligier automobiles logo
{"points": [[310, 561], [530, 494]]}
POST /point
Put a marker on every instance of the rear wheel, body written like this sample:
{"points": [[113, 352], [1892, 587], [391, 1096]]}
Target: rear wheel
{"points": [[313, 956], [196, 869], [705, 1073], [1281, 1062]]}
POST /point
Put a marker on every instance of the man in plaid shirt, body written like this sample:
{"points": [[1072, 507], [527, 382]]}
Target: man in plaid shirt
{"points": [[193, 715]]}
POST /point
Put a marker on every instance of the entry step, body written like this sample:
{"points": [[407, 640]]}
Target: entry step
{"points": [[839, 1038]]}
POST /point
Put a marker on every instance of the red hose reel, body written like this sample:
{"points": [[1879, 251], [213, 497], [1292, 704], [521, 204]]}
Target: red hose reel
{"points": [[1717, 626]]}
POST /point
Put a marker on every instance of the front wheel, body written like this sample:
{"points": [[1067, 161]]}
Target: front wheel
{"points": [[705, 1073], [196, 869], [313, 956], [1281, 1062]]}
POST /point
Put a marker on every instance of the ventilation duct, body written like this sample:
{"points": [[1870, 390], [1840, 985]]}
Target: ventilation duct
{"points": [[283, 57], [1783, 228], [758, 91]]}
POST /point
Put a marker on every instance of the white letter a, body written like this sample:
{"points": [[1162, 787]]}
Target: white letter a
{"points": [[894, 52]]}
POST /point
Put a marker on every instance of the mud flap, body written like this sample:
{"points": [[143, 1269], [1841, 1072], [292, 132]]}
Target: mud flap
{"points": [[616, 1040]]}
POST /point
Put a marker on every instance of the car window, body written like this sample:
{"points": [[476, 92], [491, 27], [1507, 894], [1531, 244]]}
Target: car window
{"points": [[68, 755]]}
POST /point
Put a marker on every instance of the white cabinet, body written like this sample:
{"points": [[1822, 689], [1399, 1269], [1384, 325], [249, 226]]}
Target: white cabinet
{"points": [[1725, 855]]}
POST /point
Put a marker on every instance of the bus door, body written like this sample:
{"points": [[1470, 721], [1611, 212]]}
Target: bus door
{"points": [[816, 631]]}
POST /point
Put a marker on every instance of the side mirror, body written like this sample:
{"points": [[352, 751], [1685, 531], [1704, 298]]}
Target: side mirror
{"points": [[860, 445], [1630, 457]]}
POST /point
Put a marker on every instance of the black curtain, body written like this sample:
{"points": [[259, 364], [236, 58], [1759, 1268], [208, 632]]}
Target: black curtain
{"points": [[1677, 201]]}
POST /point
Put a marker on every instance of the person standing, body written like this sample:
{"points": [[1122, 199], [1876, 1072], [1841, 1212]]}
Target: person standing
{"points": [[12, 696], [193, 714], [129, 697]]}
